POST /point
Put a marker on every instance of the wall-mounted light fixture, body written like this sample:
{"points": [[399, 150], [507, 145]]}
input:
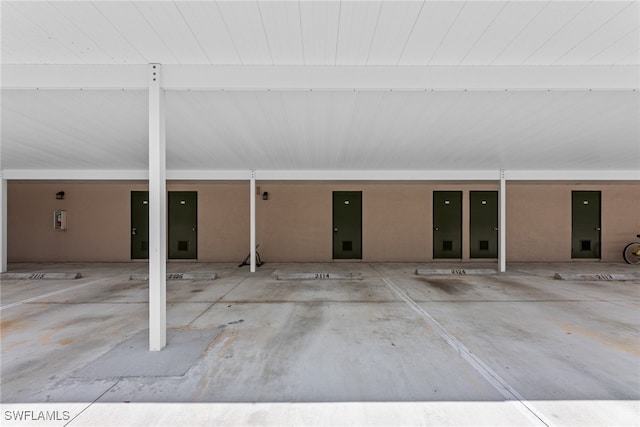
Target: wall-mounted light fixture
{"points": [[60, 195], [265, 196]]}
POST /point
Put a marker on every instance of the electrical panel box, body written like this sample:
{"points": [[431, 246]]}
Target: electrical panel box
{"points": [[60, 220]]}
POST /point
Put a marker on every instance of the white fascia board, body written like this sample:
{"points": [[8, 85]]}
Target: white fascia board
{"points": [[208, 175], [211, 77], [376, 175], [247, 77], [72, 76], [261, 175], [76, 175], [575, 175]]}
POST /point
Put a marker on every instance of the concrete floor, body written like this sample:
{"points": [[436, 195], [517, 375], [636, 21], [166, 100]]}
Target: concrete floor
{"points": [[517, 348]]}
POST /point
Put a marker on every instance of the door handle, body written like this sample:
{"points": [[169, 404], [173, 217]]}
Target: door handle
{"points": [[495, 228], [134, 231], [436, 228], [335, 230], [597, 228], [193, 229]]}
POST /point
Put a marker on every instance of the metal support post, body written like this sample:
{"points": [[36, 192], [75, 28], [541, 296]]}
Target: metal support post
{"points": [[3, 223], [157, 213], [502, 247], [252, 204]]}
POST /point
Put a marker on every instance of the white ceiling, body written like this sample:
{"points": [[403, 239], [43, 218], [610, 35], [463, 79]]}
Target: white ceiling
{"points": [[326, 130], [330, 129], [322, 32]]}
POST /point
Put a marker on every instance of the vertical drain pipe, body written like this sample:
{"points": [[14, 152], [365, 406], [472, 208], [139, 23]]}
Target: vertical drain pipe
{"points": [[252, 201]]}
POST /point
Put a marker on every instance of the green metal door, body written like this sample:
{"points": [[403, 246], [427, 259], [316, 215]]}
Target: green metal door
{"points": [[183, 225], [483, 224], [347, 225], [447, 224], [585, 224], [139, 225]]}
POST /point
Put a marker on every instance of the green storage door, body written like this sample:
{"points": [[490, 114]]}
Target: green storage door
{"points": [[483, 224], [182, 221], [139, 225], [183, 225], [447, 224], [585, 224], [347, 225]]}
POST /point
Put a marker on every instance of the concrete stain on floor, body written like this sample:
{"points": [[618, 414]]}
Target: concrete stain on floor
{"points": [[327, 341]]}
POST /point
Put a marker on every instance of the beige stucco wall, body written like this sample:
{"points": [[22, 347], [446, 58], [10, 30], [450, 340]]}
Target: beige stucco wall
{"points": [[538, 222], [295, 224], [620, 219], [539, 219], [99, 220]]}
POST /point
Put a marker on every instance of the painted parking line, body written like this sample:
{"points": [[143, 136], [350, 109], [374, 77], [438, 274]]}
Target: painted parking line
{"points": [[25, 301], [508, 392]]}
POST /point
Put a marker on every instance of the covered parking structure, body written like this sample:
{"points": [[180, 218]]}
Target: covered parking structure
{"points": [[261, 102], [267, 117]]}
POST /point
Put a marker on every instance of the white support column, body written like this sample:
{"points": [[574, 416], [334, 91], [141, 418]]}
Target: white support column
{"points": [[502, 247], [3, 223], [157, 213], [252, 221]]}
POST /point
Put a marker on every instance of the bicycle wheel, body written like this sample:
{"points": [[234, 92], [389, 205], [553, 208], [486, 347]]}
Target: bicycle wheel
{"points": [[631, 253]]}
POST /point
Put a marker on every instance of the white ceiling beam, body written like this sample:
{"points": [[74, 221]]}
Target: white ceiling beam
{"points": [[199, 77], [324, 175], [573, 175], [208, 175], [74, 175], [216, 77], [34, 76]]}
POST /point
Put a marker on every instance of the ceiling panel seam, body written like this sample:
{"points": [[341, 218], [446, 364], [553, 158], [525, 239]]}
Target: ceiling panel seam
{"points": [[522, 30], [593, 32], [45, 32], [192, 33], [375, 30], [613, 44], [415, 22], [226, 27], [447, 33], [306, 135], [304, 57], [335, 58], [264, 30], [118, 31], [156, 32], [63, 129], [484, 32], [350, 127], [558, 31], [375, 120], [53, 4], [266, 113], [631, 53]]}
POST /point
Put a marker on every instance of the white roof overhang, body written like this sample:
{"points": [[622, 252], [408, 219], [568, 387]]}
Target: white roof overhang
{"points": [[348, 91]]}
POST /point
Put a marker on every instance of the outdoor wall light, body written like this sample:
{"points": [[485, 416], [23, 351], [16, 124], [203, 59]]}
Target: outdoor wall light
{"points": [[265, 196], [60, 195]]}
